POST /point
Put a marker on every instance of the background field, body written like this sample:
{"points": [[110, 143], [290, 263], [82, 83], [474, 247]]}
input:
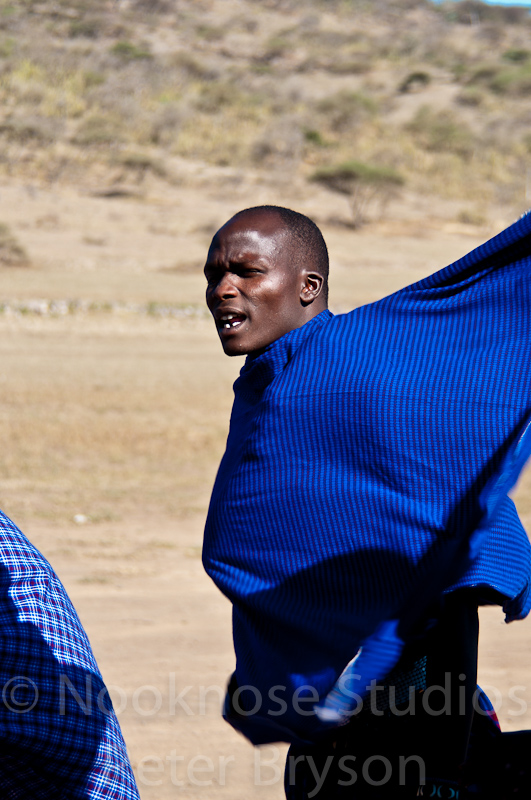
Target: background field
{"points": [[128, 133]]}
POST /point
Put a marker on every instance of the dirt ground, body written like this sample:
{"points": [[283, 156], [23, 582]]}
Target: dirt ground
{"points": [[113, 422]]}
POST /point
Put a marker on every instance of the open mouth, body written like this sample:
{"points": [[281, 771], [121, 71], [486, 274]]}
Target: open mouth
{"points": [[230, 321]]}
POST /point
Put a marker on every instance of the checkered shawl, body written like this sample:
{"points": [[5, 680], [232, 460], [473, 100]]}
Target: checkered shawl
{"points": [[363, 455], [60, 737]]}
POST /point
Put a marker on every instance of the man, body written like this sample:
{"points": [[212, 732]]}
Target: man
{"points": [[60, 736], [364, 480]]}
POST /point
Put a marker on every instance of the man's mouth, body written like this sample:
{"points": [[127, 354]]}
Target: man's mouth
{"points": [[228, 321]]}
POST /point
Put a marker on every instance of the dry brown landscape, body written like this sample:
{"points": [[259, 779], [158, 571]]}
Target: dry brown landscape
{"points": [[129, 131]]}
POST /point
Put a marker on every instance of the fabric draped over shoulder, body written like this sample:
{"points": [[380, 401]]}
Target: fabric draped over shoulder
{"points": [[366, 472]]}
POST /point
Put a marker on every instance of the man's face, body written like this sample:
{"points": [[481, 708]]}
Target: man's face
{"points": [[254, 293]]}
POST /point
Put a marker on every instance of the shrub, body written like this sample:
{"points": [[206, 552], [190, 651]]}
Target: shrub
{"points": [[129, 51], [165, 124], [96, 130], [87, 28], [154, 6], [484, 73], [12, 254], [313, 136], [279, 144], [414, 81], [345, 109], [365, 185], [141, 163], [516, 55], [7, 47], [515, 82], [526, 141], [31, 128], [468, 217], [441, 132], [471, 97]]}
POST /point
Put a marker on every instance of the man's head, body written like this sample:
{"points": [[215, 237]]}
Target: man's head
{"points": [[267, 273]]}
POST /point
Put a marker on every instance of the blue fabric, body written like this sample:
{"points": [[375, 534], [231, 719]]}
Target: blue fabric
{"points": [[59, 734], [362, 453]]}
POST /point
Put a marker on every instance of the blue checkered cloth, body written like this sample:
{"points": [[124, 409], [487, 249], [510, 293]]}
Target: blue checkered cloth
{"points": [[366, 472], [59, 734]]}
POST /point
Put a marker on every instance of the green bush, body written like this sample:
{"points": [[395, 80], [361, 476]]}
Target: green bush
{"points": [[516, 55], [416, 80], [365, 185], [129, 51], [87, 28], [313, 136]]}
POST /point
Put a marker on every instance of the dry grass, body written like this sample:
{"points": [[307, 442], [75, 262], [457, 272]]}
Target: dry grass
{"points": [[110, 421]]}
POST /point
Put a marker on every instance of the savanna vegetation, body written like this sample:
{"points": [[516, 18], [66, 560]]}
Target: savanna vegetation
{"points": [[436, 94]]}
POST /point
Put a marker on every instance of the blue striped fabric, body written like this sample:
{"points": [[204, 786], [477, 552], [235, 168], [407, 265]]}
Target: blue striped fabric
{"points": [[59, 734], [360, 450]]}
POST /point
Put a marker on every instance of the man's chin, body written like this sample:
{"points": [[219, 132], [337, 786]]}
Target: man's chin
{"points": [[232, 348]]}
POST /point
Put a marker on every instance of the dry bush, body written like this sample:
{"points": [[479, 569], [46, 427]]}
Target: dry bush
{"points": [[513, 82], [345, 110], [31, 129], [280, 144], [87, 28], [98, 129], [165, 124], [470, 217], [139, 164], [12, 254], [153, 6], [441, 132], [471, 97]]}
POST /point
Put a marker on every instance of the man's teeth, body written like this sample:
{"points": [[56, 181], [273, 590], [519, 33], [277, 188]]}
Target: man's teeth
{"points": [[230, 321]]}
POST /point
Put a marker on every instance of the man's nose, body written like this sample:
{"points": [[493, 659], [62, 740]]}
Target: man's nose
{"points": [[225, 287]]}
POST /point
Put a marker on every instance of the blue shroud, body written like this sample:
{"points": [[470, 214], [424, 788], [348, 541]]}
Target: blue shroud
{"points": [[366, 472]]}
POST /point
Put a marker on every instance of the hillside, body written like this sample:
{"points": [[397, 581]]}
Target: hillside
{"points": [[107, 96]]}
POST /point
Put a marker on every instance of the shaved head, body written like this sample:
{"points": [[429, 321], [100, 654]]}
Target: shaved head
{"points": [[304, 238]]}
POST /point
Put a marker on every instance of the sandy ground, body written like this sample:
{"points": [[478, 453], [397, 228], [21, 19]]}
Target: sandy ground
{"points": [[121, 417], [162, 635]]}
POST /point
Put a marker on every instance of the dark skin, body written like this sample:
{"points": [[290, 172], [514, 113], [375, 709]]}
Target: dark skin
{"points": [[258, 286]]}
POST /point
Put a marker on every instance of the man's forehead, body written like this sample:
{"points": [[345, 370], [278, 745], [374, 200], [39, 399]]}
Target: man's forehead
{"points": [[255, 224], [259, 231]]}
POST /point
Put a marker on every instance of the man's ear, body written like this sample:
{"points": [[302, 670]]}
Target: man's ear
{"points": [[312, 287]]}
